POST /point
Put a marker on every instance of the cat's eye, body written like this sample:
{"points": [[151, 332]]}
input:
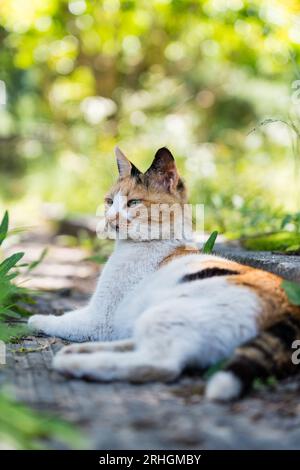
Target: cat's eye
{"points": [[108, 201], [133, 202]]}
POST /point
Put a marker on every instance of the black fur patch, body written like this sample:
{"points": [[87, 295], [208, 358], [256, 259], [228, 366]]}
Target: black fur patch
{"points": [[295, 321], [247, 370], [262, 348], [206, 273], [284, 331], [135, 172], [180, 185]]}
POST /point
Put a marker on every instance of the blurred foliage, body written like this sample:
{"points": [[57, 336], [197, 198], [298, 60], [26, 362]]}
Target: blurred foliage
{"points": [[14, 299], [10, 293], [20, 427], [197, 75], [23, 428], [288, 242]]}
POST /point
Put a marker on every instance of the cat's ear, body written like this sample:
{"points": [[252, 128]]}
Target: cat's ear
{"points": [[163, 169], [125, 167]]}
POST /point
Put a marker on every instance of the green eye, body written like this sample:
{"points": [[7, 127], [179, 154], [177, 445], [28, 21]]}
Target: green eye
{"points": [[133, 202], [108, 201]]}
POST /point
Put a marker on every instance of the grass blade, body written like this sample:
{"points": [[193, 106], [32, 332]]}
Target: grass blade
{"points": [[4, 227], [210, 243], [9, 263], [36, 263]]}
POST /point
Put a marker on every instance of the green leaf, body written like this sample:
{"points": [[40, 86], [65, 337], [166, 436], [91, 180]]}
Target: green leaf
{"points": [[292, 290], [286, 220], [28, 429], [4, 227], [11, 276], [35, 263], [209, 244], [99, 259], [11, 314], [10, 262], [261, 384]]}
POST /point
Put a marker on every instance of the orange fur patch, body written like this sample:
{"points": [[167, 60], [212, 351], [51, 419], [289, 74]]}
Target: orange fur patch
{"points": [[178, 252], [267, 286]]}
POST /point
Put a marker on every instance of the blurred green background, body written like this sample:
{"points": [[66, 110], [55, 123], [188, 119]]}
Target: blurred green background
{"points": [[77, 77]]}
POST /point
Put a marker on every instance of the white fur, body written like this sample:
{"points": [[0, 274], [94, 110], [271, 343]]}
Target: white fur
{"points": [[172, 324], [127, 266], [118, 208], [223, 386]]}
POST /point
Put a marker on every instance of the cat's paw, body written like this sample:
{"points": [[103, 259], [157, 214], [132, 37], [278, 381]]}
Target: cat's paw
{"points": [[41, 322], [74, 349], [69, 365]]}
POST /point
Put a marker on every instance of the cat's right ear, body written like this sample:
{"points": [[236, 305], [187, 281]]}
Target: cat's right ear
{"points": [[125, 167]]}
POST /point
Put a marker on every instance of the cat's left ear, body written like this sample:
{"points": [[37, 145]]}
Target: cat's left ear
{"points": [[163, 169]]}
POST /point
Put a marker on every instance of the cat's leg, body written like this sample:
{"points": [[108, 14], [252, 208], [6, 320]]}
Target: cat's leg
{"points": [[132, 366], [168, 338], [78, 325], [120, 346], [161, 347]]}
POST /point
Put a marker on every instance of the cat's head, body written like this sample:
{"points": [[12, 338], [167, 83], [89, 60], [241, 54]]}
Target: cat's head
{"points": [[140, 203]]}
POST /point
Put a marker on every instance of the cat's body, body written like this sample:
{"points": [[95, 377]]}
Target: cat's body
{"points": [[128, 265], [160, 305]]}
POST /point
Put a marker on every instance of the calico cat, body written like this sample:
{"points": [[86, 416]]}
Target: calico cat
{"points": [[161, 306]]}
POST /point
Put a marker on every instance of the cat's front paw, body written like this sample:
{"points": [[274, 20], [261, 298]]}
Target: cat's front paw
{"points": [[41, 322]]}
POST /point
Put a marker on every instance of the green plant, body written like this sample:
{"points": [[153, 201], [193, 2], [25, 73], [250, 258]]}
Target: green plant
{"points": [[210, 243], [23, 428], [10, 293], [292, 290], [285, 242], [292, 219], [262, 384]]}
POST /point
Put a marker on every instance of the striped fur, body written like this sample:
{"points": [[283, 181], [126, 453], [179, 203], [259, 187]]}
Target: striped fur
{"points": [[268, 355]]}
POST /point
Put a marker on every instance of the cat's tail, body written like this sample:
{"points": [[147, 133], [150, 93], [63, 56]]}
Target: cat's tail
{"points": [[270, 354]]}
